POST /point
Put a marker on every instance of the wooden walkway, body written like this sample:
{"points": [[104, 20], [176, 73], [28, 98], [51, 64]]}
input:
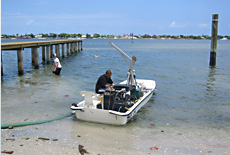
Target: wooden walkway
{"points": [[72, 46]]}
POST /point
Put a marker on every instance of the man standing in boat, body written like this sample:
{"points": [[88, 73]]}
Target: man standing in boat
{"points": [[103, 82], [57, 66]]}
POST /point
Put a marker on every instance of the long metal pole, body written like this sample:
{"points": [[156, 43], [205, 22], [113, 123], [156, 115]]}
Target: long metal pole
{"points": [[124, 55]]}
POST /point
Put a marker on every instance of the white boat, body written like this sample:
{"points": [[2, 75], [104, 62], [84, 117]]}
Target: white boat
{"points": [[224, 38], [118, 104]]}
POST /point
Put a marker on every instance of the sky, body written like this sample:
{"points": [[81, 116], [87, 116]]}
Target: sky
{"points": [[118, 17]]}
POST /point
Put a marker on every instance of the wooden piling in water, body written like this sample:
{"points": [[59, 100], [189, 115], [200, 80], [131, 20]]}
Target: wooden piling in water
{"points": [[72, 48], [36, 58], [78, 46], [215, 18], [48, 54], [51, 51], [1, 65], [32, 55], [57, 50], [63, 50], [43, 54], [67, 46], [75, 47], [20, 61]]}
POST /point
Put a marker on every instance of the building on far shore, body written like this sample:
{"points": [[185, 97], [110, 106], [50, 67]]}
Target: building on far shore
{"points": [[38, 36]]}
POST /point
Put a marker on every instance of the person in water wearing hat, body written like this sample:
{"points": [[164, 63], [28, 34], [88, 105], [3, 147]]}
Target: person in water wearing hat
{"points": [[57, 66]]}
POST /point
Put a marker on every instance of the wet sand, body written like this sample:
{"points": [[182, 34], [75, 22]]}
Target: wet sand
{"points": [[64, 136]]}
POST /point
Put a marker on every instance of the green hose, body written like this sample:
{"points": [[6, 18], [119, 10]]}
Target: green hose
{"points": [[5, 126]]}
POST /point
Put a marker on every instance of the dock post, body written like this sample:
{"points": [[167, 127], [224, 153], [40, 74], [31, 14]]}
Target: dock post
{"points": [[48, 54], [43, 54], [71, 48], [36, 58], [81, 45], [20, 61], [57, 50], [63, 50], [78, 46], [74, 47], [51, 51], [1, 65], [67, 46], [214, 40], [32, 56]]}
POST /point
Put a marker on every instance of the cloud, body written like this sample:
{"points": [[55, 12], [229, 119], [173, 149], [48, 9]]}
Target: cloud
{"points": [[29, 22], [78, 16], [174, 24], [203, 25], [14, 15]]}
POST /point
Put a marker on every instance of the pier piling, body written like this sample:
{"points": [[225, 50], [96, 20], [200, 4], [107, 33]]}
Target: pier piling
{"points": [[67, 46], [43, 54], [51, 51], [214, 40], [78, 46], [36, 58], [1, 65], [57, 50], [63, 50], [32, 55], [72, 48], [48, 54], [20, 61]]}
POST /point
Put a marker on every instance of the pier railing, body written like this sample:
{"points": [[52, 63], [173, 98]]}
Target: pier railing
{"points": [[72, 46]]}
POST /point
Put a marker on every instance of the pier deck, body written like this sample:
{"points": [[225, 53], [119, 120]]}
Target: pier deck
{"points": [[19, 45], [72, 46]]}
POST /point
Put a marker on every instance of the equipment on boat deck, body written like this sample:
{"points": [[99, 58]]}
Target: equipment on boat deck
{"points": [[118, 99]]}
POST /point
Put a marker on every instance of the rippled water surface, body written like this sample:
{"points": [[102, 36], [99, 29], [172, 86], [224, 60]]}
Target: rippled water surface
{"points": [[190, 105]]}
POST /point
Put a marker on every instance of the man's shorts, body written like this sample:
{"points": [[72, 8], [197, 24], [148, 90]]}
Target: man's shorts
{"points": [[57, 71]]}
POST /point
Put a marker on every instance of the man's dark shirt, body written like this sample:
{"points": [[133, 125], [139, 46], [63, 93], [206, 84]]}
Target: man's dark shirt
{"points": [[102, 81]]}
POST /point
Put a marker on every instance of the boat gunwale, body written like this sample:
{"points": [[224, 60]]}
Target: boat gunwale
{"points": [[116, 112]]}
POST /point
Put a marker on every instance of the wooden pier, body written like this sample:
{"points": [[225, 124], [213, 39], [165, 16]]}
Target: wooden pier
{"points": [[72, 46]]}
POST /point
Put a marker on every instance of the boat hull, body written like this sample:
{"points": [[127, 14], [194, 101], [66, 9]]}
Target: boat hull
{"points": [[110, 116], [100, 116]]}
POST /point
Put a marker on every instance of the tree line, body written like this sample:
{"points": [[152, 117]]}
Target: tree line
{"points": [[96, 35]]}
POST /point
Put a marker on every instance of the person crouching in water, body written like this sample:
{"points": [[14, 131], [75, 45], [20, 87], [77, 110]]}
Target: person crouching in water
{"points": [[57, 66]]}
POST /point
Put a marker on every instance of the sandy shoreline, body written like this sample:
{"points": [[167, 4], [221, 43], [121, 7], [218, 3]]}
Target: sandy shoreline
{"points": [[64, 136]]}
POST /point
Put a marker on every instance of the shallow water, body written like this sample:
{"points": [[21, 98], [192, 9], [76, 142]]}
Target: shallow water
{"points": [[188, 113]]}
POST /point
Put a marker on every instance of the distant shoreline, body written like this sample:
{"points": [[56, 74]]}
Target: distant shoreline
{"points": [[120, 38], [98, 36]]}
